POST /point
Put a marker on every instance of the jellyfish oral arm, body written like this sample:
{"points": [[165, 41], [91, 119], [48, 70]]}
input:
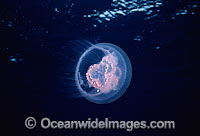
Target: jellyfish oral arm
{"points": [[103, 76]]}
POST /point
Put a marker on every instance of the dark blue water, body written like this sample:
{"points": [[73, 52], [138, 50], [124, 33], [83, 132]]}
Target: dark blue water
{"points": [[161, 38]]}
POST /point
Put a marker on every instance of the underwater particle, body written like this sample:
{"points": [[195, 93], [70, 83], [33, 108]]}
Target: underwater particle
{"points": [[17, 58], [103, 73], [56, 10], [158, 47], [13, 59]]}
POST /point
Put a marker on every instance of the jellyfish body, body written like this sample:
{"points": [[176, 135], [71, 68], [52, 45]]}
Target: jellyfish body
{"points": [[103, 73]]}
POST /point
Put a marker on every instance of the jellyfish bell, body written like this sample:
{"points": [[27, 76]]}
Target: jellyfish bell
{"points": [[103, 73]]}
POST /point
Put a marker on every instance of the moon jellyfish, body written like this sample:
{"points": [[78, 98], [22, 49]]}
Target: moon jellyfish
{"points": [[103, 73]]}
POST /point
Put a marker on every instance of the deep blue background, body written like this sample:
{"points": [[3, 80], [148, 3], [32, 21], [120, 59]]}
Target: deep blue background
{"points": [[165, 83]]}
